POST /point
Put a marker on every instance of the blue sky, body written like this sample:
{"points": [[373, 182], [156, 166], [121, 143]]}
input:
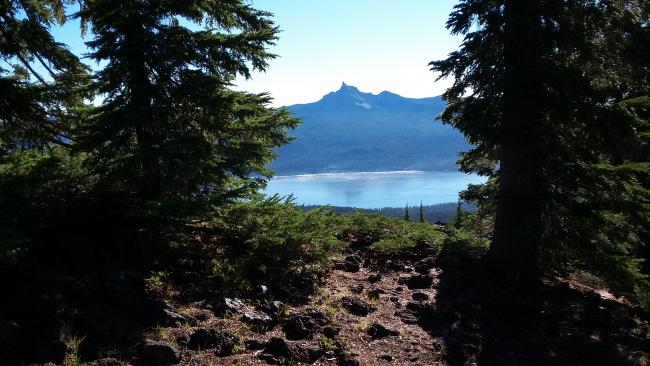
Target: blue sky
{"points": [[374, 45]]}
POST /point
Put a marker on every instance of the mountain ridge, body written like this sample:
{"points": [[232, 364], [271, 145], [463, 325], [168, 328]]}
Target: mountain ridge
{"points": [[349, 130]]}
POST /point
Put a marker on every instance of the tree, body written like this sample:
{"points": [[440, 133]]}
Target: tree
{"points": [[407, 216], [421, 213], [502, 116], [458, 219], [41, 96], [534, 90], [40, 78], [170, 135]]}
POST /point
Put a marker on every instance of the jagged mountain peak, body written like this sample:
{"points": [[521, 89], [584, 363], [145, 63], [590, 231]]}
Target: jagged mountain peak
{"points": [[349, 130], [348, 88]]}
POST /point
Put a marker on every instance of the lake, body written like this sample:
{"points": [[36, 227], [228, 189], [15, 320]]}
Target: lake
{"points": [[373, 189]]}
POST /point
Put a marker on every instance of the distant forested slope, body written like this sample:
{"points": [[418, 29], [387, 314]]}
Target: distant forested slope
{"points": [[348, 130], [432, 213]]}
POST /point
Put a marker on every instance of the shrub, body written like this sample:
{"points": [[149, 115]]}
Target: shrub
{"points": [[271, 240], [464, 243], [386, 233]]}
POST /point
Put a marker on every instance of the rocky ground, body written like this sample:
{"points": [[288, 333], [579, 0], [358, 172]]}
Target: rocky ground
{"points": [[406, 308]]}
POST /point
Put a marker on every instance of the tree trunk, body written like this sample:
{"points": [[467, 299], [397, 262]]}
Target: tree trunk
{"points": [[143, 111], [514, 254]]}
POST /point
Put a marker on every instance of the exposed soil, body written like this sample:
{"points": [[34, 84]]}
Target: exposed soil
{"points": [[449, 312], [406, 308]]}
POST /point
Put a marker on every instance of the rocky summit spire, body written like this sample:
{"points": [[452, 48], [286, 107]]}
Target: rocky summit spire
{"points": [[346, 87]]}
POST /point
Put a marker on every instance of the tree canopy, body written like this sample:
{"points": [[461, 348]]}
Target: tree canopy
{"points": [[40, 79], [539, 88]]}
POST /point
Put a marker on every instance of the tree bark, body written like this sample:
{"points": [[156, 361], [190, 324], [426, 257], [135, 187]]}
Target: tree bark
{"points": [[515, 250], [144, 118]]}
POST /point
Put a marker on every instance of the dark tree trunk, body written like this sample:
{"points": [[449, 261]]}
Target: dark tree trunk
{"points": [[514, 254], [143, 111]]}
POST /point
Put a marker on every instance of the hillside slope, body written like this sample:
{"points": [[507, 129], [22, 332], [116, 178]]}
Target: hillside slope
{"points": [[348, 130]]}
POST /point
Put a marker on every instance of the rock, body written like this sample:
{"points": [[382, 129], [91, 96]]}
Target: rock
{"points": [[191, 292], [273, 309], [423, 266], [305, 354], [269, 358], [202, 315], [299, 326], [318, 315], [261, 291], [254, 344], [374, 294], [48, 350], [407, 316], [231, 305], [47, 344], [173, 318], [305, 282], [261, 321], [414, 305], [347, 360], [109, 361], [356, 289], [331, 331], [203, 338], [227, 345], [420, 296], [352, 263], [418, 281], [340, 265], [394, 266], [354, 259], [356, 306], [374, 278], [278, 347], [351, 267], [378, 331], [183, 339], [9, 335], [420, 306], [158, 353]]}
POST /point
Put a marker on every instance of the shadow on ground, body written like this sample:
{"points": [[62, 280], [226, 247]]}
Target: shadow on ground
{"points": [[482, 323]]}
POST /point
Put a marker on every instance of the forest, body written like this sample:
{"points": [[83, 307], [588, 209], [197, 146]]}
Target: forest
{"points": [[444, 212], [133, 230]]}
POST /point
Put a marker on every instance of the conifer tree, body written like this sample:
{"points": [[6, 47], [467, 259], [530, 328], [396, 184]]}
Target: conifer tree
{"points": [[421, 213], [458, 220], [407, 216], [39, 77], [170, 133], [534, 90]]}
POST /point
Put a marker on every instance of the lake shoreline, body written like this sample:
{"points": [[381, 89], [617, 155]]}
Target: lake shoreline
{"points": [[373, 189]]}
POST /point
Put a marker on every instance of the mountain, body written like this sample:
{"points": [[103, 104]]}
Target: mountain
{"points": [[348, 130]]}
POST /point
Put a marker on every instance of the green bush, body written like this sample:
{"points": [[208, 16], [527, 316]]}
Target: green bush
{"points": [[464, 243], [387, 233], [271, 240], [364, 228], [40, 195]]}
